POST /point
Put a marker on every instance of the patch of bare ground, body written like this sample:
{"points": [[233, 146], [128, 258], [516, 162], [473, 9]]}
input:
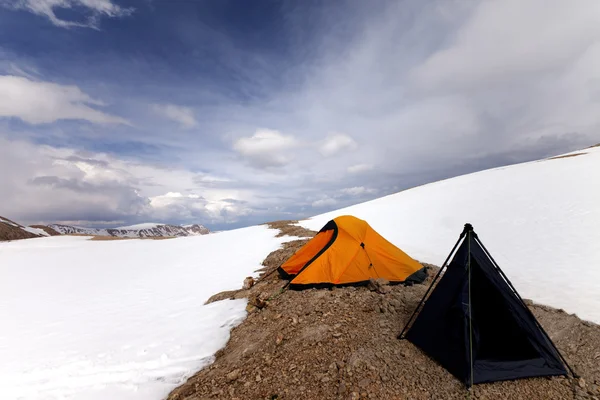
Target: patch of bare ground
{"points": [[288, 228], [341, 344], [567, 156], [595, 145]]}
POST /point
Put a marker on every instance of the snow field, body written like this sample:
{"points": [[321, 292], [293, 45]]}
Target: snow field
{"points": [[118, 319]]}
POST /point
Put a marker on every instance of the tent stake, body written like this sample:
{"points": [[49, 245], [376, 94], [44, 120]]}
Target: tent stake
{"points": [[422, 302], [525, 306]]}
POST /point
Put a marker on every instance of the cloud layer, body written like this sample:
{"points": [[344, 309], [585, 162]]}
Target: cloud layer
{"points": [[232, 125]]}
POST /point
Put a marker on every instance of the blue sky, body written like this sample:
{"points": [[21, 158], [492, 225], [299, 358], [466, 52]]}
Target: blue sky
{"points": [[231, 113]]}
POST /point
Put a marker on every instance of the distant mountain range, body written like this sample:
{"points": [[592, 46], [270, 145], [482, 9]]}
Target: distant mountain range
{"points": [[141, 230], [10, 230]]}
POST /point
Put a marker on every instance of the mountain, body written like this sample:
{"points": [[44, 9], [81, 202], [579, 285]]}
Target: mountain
{"points": [[10, 230], [133, 231]]}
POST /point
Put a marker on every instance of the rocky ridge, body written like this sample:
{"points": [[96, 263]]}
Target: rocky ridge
{"points": [[341, 344]]}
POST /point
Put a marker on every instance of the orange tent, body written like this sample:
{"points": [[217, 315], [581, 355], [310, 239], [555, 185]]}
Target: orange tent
{"points": [[347, 251]]}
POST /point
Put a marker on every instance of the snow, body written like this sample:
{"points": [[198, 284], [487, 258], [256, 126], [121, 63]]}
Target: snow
{"points": [[118, 320], [8, 222], [137, 227], [35, 231], [539, 220]]}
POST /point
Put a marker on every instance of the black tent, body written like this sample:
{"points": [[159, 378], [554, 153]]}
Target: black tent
{"points": [[476, 325]]}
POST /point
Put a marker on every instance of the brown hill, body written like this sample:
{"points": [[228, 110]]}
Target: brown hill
{"points": [[10, 230], [46, 229], [341, 344]]}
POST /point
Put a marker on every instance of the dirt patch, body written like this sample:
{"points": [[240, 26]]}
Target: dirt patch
{"points": [[341, 344], [595, 145], [287, 228], [567, 156]]}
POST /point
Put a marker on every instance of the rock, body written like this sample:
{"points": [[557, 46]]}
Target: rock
{"points": [[337, 335], [333, 368], [581, 383], [279, 339], [258, 378], [382, 281], [248, 283], [373, 285], [354, 396], [257, 302], [233, 375], [325, 379]]}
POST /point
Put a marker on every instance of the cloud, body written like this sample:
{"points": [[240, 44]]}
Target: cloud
{"points": [[266, 148], [94, 10], [484, 52], [358, 168], [337, 143], [324, 202], [44, 102], [51, 184], [416, 93], [184, 116], [358, 191]]}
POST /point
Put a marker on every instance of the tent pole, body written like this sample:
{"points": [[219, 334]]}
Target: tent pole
{"points": [[525, 306], [469, 236], [401, 335]]}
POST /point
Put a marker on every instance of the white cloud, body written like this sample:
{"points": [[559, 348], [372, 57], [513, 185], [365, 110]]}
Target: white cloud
{"points": [[44, 102], [324, 202], [358, 168], [95, 9], [184, 116], [50, 184], [266, 148], [337, 143], [358, 190]]}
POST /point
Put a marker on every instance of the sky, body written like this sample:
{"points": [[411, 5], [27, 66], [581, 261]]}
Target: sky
{"points": [[233, 113]]}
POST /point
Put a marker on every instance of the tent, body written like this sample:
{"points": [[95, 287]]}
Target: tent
{"points": [[477, 326], [347, 251]]}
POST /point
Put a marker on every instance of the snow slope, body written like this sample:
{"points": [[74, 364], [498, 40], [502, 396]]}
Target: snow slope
{"points": [[36, 231], [118, 319], [539, 220]]}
